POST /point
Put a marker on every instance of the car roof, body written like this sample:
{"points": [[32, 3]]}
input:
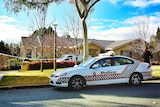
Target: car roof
{"points": [[108, 56]]}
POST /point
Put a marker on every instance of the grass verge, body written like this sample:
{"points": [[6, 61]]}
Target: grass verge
{"points": [[156, 71], [26, 78]]}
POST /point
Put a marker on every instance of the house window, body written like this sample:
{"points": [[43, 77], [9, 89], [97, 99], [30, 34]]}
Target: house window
{"points": [[93, 52], [125, 53], [29, 53]]}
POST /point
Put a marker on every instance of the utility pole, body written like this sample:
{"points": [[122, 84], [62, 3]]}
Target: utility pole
{"points": [[54, 53]]}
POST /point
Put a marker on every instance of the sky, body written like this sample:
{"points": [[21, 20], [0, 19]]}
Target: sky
{"points": [[110, 20]]}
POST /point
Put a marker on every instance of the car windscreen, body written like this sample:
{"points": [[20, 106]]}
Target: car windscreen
{"points": [[87, 62]]}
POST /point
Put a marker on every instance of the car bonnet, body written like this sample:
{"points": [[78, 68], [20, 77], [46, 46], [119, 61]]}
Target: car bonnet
{"points": [[68, 70]]}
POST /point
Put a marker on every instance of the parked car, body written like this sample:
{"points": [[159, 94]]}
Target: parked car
{"points": [[71, 58], [102, 70]]}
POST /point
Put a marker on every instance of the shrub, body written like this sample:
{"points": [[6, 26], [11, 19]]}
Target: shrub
{"points": [[34, 65], [11, 64], [4, 68], [49, 65], [155, 62]]}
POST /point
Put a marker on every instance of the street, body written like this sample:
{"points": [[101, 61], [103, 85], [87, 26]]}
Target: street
{"points": [[122, 95]]}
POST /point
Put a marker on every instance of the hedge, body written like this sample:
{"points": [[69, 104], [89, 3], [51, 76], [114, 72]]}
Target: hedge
{"points": [[6, 68], [49, 65]]}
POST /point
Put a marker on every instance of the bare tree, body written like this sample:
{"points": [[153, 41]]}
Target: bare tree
{"points": [[72, 30], [142, 29], [39, 21]]}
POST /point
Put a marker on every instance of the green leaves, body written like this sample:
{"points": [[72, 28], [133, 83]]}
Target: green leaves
{"points": [[16, 6]]}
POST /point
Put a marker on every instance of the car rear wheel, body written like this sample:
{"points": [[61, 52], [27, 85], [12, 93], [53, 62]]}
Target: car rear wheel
{"points": [[76, 83], [135, 79]]}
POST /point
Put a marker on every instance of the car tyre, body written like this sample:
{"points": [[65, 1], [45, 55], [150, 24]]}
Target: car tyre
{"points": [[77, 83], [135, 79]]}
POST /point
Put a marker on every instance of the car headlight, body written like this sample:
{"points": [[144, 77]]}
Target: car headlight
{"points": [[63, 74], [52, 75], [58, 75]]}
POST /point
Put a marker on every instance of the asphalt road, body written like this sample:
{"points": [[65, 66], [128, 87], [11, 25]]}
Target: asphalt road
{"points": [[123, 95]]}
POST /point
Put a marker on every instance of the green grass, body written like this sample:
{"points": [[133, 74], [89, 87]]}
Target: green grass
{"points": [[31, 77], [156, 71], [36, 77]]}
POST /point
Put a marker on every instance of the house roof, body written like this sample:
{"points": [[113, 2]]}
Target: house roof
{"points": [[79, 42], [47, 40], [30, 41], [119, 43], [102, 43]]}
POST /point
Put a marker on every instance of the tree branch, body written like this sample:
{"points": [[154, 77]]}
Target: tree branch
{"points": [[78, 9], [93, 4]]}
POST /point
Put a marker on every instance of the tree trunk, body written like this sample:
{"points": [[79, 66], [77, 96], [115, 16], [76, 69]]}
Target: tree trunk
{"points": [[85, 40]]}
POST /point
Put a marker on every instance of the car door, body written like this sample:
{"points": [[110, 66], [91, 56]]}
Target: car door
{"points": [[100, 71], [123, 68]]}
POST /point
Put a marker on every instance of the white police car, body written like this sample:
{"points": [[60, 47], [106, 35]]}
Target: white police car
{"points": [[102, 70]]}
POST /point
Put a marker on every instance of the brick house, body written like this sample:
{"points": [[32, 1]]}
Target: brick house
{"points": [[132, 48], [31, 47], [38, 46]]}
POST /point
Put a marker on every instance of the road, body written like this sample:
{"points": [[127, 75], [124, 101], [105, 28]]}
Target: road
{"points": [[123, 95]]}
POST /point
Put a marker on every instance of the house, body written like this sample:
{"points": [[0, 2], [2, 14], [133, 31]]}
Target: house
{"points": [[42, 46], [132, 48], [156, 53]]}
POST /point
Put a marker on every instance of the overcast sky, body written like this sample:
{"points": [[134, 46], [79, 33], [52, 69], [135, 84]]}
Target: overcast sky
{"points": [[110, 20]]}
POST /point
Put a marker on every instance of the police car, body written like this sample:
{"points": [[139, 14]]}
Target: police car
{"points": [[102, 70]]}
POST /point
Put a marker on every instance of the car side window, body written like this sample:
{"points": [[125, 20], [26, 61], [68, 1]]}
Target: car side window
{"points": [[128, 61], [96, 64], [106, 62], [122, 61], [102, 63]]}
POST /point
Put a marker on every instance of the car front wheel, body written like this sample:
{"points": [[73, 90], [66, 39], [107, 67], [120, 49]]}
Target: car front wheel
{"points": [[77, 83], [135, 79]]}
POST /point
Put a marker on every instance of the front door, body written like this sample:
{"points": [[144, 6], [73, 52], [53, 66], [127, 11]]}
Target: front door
{"points": [[109, 71]]}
